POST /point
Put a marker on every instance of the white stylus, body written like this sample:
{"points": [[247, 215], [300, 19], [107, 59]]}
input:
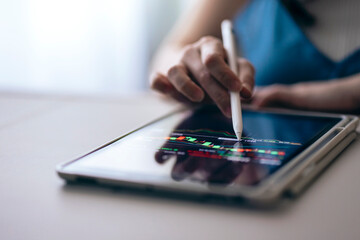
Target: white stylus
{"points": [[230, 47]]}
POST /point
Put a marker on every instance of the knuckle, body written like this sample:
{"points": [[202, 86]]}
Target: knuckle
{"points": [[209, 40], [188, 49], [248, 78], [205, 39], [244, 62], [188, 53], [174, 71], [212, 59], [204, 76]]}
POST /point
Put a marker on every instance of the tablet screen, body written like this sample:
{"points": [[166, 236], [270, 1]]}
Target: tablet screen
{"points": [[200, 146]]}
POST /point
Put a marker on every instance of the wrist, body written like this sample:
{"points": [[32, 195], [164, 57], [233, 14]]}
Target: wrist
{"points": [[350, 88]]}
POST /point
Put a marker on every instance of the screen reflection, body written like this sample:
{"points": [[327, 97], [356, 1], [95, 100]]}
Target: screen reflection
{"points": [[205, 149], [199, 146]]}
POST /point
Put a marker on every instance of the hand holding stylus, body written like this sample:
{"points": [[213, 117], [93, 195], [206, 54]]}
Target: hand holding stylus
{"points": [[199, 72]]}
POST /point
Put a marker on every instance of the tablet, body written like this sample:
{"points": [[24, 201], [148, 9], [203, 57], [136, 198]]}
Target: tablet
{"points": [[196, 151]]}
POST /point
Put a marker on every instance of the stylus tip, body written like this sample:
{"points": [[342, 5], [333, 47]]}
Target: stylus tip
{"points": [[238, 135]]}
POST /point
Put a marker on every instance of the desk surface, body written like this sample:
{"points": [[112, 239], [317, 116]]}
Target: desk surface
{"points": [[38, 132]]}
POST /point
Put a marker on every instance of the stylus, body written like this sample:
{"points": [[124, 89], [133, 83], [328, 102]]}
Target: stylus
{"points": [[230, 48]]}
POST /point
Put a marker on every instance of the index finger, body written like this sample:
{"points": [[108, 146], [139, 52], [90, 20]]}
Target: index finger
{"points": [[213, 57]]}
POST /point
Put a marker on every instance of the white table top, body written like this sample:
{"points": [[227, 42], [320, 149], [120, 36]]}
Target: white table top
{"points": [[38, 132]]}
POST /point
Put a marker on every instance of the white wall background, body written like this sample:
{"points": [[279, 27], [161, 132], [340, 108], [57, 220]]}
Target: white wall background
{"points": [[81, 46]]}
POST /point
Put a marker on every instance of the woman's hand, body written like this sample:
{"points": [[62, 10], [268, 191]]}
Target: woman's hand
{"points": [[340, 95], [202, 73]]}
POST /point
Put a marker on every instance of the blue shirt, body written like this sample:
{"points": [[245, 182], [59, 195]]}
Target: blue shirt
{"points": [[281, 53]]}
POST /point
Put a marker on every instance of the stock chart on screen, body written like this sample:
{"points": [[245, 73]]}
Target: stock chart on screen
{"points": [[211, 144]]}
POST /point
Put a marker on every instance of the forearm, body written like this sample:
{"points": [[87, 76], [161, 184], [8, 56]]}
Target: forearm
{"points": [[338, 95], [334, 95], [351, 88]]}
